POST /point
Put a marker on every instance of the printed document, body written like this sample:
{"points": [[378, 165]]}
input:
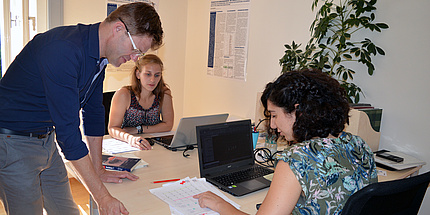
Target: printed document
{"points": [[114, 146], [179, 196]]}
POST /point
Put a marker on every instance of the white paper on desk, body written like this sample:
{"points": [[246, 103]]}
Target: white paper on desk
{"points": [[114, 146], [179, 196], [408, 161]]}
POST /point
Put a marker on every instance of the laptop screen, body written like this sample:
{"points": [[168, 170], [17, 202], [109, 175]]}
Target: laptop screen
{"points": [[186, 132], [225, 143]]}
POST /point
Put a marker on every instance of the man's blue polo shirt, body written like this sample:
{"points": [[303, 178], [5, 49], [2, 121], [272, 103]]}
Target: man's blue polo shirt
{"points": [[50, 81]]}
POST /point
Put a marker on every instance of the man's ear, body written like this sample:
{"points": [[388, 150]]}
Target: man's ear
{"points": [[118, 27]]}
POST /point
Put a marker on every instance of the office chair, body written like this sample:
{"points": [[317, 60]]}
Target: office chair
{"points": [[403, 196], [107, 98]]}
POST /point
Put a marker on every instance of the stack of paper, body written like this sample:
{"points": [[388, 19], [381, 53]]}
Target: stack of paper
{"points": [[113, 146], [179, 196]]}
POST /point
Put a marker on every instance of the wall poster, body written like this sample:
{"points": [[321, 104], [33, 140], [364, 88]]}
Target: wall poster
{"points": [[228, 38]]}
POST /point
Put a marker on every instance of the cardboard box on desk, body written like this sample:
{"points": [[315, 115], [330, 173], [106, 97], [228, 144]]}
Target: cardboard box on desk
{"points": [[360, 125]]}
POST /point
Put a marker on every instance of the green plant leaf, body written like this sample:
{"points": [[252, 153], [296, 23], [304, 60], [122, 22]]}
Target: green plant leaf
{"points": [[357, 98], [380, 51], [370, 68], [332, 43], [336, 60], [377, 28], [350, 74], [347, 56], [345, 76], [342, 39], [382, 25], [371, 48]]}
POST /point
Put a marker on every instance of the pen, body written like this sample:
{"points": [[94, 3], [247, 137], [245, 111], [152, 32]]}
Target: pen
{"points": [[169, 180]]}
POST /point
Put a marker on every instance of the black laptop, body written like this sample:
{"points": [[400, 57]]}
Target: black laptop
{"points": [[226, 157]]}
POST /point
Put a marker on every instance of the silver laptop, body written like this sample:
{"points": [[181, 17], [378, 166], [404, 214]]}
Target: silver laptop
{"points": [[226, 158], [185, 134]]}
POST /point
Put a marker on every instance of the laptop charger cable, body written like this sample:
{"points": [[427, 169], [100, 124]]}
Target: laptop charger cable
{"points": [[264, 157]]}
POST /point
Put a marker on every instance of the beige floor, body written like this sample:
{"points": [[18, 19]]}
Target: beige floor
{"points": [[80, 195]]}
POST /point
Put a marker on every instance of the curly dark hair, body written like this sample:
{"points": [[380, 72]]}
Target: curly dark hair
{"points": [[322, 104]]}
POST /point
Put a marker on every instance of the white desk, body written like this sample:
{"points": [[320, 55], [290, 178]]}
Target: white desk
{"points": [[165, 164], [399, 174]]}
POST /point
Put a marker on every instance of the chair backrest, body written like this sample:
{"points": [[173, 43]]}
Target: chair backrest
{"points": [[403, 196], [107, 98]]}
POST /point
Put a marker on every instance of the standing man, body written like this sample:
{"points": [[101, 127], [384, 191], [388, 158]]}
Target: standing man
{"points": [[58, 74]]}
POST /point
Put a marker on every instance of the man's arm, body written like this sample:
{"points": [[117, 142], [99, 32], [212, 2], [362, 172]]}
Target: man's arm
{"points": [[95, 148], [87, 175]]}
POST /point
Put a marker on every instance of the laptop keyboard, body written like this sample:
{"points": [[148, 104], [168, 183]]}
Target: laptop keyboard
{"points": [[243, 175]]}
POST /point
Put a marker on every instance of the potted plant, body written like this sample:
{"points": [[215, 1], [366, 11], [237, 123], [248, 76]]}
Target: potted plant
{"points": [[332, 46]]}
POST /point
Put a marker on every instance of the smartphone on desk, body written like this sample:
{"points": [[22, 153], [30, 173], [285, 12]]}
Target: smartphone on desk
{"points": [[385, 154], [165, 140]]}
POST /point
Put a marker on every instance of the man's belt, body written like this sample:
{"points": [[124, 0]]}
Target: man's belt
{"points": [[31, 134]]}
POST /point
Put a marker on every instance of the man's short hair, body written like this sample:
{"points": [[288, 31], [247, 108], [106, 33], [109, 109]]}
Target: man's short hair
{"points": [[141, 19]]}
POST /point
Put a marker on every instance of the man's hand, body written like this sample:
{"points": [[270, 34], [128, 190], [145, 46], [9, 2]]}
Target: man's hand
{"points": [[109, 205], [116, 176], [95, 147], [86, 173]]}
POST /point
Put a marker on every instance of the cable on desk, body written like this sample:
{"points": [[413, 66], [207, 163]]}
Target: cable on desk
{"points": [[189, 147], [264, 157]]}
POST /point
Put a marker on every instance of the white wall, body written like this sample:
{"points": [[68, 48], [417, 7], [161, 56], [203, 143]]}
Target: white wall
{"points": [[86, 12], [174, 17], [399, 85]]}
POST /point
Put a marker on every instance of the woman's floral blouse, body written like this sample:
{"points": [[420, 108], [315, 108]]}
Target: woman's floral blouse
{"points": [[329, 171]]}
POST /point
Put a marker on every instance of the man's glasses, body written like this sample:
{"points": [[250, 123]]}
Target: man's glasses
{"points": [[135, 49]]}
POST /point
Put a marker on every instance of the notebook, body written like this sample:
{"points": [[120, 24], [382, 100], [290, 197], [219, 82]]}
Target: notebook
{"points": [[226, 149], [185, 134]]}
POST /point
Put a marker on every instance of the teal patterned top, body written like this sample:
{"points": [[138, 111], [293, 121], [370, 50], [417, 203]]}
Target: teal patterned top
{"points": [[329, 171]]}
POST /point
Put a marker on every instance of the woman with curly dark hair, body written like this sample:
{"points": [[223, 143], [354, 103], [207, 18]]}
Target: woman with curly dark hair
{"points": [[324, 165]]}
